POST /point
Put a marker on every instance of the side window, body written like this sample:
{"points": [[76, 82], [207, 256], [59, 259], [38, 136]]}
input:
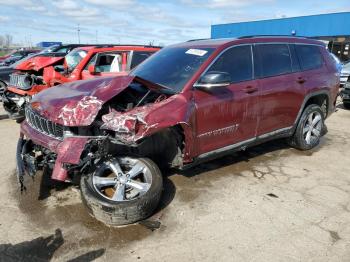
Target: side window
{"points": [[109, 62], [309, 56], [274, 59], [105, 62], [138, 57], [237, 61]]}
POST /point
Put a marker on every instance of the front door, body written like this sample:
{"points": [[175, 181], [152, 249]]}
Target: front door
{"points": [[228, 115]]}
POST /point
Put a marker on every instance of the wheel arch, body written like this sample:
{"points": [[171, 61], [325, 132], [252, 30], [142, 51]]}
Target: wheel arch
{"points": [[166, 145], [320, 98]]}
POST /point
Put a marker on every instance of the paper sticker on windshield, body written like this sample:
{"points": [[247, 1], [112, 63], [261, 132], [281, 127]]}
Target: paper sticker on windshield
{"points": [[197, 52]]}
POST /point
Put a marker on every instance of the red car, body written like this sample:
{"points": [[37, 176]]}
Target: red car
{"points": [[80, 64], [188, 103]]}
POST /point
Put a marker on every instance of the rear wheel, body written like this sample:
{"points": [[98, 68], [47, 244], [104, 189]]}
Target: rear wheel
{"points": [[122, 190], [310, 129]]}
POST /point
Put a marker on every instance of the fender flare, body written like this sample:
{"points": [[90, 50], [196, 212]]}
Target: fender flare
{"points": [[307, 98]]}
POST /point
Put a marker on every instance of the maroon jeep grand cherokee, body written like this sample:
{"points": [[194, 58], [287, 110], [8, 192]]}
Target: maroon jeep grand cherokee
{"points": [[188, 103]]}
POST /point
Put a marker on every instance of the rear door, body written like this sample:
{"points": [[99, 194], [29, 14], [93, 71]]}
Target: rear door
{"points": [[313, 67], [280, 86], [228, 115]]}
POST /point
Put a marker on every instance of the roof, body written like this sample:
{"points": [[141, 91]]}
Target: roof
{"points": [[97, 49], [223, 42]]}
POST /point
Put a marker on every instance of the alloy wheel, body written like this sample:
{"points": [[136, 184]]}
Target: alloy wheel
{"points": [[122, 179], [312, 128]]}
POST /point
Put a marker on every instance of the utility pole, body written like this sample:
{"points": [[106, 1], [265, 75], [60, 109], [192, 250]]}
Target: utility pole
{"points": [[96, 37], [78, 33]]}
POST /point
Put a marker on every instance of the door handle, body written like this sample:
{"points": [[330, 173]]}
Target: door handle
{"points": [[301, 80], [250, 89]]}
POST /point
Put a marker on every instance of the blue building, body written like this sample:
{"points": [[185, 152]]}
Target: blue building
{"points": [[47, 44], [333, 29]]}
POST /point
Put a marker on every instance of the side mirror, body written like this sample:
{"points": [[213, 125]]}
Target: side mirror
{"points": [[212, 80], [92, 69]]}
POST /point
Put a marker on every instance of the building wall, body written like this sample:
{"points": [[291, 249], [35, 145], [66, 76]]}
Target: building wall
{"points": [[337, 24]]}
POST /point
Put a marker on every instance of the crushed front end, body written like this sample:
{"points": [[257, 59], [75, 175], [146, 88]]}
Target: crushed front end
{"points": [[73, 135], [45, 143], [18, 93]]}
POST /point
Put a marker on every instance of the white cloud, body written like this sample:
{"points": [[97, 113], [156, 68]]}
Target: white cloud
{"points": [[4, 19], [223, 3], [31, 5], [113, 3]]}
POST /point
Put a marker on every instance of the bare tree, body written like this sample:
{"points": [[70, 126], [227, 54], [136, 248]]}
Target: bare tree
{"points": [[2, 40], [8, 40]]}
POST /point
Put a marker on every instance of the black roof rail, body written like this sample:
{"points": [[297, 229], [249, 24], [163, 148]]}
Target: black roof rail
{"points": [[257, 36], [111, 45]]}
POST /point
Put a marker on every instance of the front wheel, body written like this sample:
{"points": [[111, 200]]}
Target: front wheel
{"points": [[310, 129], [122, 190]]}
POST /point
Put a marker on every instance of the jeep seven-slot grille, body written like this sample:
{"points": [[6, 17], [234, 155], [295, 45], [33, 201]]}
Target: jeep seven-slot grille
{"points": [[19, 80], [43, 125]]}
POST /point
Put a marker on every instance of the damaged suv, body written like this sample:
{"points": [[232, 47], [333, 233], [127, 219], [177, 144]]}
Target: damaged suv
{"points": [[187, 103]]}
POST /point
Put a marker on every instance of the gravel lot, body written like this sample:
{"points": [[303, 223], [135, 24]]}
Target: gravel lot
{"points": [[270, 203]]}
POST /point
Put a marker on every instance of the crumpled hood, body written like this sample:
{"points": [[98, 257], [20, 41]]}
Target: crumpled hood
{"points": [[78, 103], [37, 63]]}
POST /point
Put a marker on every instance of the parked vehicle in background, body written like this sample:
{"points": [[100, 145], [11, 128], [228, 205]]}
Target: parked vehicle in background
{"points": [[337, 61], [18, 56], [186, 104], [345, 95], [30, 70], [80, 64], [345, 74], [5, 72]]}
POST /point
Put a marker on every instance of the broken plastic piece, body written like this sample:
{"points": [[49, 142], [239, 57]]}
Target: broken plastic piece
{"points": [[121, 122]]}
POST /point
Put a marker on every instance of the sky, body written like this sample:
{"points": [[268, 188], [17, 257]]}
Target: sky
{"points": [[141, 21]]}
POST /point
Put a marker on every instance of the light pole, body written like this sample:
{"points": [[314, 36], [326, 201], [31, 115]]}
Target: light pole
{"points": [[78, 34]]}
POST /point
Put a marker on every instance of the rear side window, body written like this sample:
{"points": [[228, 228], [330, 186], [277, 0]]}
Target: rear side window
{"points": [[236, 61], [138, 57], [274, 59], [309, 56]]}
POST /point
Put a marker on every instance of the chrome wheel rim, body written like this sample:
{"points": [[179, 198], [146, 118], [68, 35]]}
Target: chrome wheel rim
{"points": [[122, 179], [312, 128]]}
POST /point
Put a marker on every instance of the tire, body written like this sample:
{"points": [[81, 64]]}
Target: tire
{"points": [[304, 138], [346, 105], [98, 199], [2, 89]]}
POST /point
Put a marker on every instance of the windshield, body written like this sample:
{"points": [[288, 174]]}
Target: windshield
{"points": [[172, 67], [74, 58]]}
